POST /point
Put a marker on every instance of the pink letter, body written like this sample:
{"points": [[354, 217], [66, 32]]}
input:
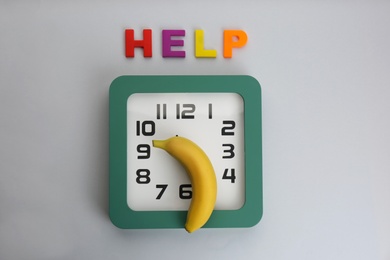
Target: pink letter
{"points": [[167, 42]]}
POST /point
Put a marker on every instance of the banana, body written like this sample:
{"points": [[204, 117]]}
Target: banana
{"points": [[202, 176]]}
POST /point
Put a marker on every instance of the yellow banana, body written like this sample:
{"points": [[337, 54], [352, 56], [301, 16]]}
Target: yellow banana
{"points": [[202, 176]]}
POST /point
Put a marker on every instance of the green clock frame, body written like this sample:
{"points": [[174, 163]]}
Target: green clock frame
{"points": [[122, 87]]}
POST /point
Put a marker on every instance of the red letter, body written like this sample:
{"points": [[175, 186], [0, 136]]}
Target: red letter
{"points": [[131, 44]]}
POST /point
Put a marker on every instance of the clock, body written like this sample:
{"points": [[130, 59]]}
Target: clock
{"points": [[221, 114]]}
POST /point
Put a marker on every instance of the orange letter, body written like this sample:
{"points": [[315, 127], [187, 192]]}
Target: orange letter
{"points": [[233, 39], [146, 43]]}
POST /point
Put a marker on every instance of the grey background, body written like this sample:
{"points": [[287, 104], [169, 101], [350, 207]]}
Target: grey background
{"points": [[324, 71]]}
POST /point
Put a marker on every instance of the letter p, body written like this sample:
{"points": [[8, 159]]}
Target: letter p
{"points": [[233, 39]]}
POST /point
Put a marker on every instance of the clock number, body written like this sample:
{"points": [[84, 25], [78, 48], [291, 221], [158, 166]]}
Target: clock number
{"points": [[163, 187], [231, 176], [210, 111], [143, 149], [143, 176], [187, 113], [146, 128], [230, 151], [228, 128], [185, 191], [164, 111]]}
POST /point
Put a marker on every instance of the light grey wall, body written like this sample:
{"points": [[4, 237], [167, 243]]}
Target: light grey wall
{"points": [[324, 70]]}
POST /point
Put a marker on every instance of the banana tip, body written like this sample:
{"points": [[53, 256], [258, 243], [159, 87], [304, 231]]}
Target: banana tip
{"points": [[189, 229]]}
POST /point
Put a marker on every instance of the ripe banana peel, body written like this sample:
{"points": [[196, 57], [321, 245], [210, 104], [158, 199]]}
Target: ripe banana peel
{"points": [[202, 176]]}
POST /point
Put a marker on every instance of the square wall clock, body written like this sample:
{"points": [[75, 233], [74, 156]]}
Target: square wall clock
{"points": [[221, 115]]}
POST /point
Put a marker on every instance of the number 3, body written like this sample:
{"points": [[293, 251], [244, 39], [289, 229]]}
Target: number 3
{"points": [[230, 151]]}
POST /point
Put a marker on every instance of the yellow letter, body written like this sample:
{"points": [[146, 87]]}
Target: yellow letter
{"points": [[200, 52]]}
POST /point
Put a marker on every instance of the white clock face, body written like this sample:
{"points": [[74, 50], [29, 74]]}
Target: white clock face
{"points": [[214, 121]]}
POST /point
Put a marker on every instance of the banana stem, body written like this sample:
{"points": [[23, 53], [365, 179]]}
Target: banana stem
{"points": [[159, 143]]}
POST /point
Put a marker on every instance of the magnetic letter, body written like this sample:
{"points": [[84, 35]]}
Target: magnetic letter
{"points": [[131, 44], [167, 42], [200, 52], [233, 39]]}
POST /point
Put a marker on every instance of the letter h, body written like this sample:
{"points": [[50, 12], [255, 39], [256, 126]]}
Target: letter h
{"points": [[131, 44]]}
